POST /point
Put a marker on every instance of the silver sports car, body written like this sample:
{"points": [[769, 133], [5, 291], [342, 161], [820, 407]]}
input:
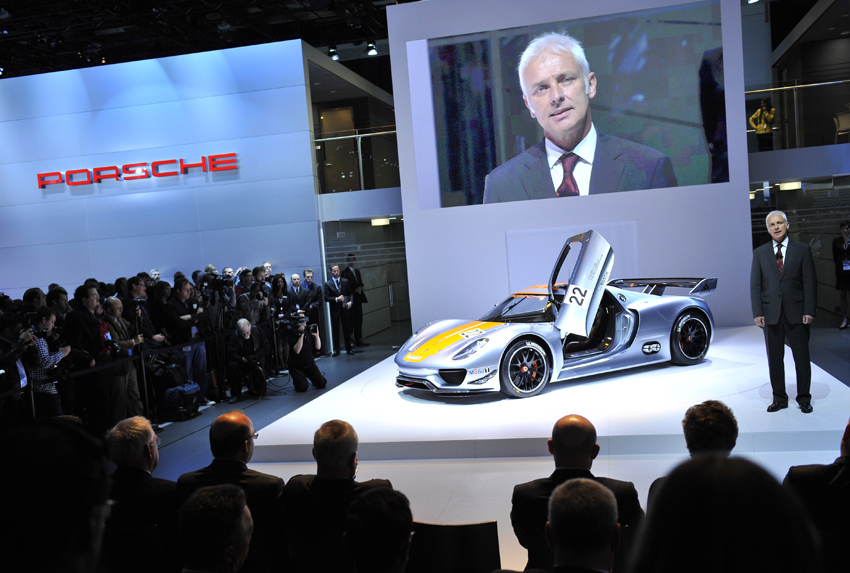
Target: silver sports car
{"points": [[586, 325]]}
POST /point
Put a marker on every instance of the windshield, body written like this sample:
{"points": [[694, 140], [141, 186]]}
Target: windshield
{"points": [[521, 308]]}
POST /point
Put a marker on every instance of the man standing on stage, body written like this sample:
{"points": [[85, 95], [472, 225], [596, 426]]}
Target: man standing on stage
{"points": [[783, 291]]}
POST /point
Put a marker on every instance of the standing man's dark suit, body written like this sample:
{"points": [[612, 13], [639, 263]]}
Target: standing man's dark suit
{"points": [[618, 165], [355, 281], [340, 311], [269, 547], [784, 304], [530, 511]]}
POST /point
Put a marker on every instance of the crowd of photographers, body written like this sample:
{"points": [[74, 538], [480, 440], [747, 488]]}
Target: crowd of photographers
{"points": [[80, 354]]}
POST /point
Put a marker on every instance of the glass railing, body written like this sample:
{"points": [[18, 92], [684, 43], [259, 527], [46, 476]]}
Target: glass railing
{"points": [[358, 159], [806, 115]]}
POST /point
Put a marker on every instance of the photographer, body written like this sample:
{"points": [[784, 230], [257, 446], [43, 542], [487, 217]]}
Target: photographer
{"points": [[247, 349], [124, 398], [281, 306], [85, 331], [302, 341], [246, 279], [45, 396], [14, 341], [254, 305], [136, 310], [57, 299], [185, 318]]}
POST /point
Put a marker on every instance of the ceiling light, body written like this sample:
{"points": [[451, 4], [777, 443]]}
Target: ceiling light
{"points": [[380, 222], [790, 186], [1, 71], [371, 49], [333, 54], [752, 1]]}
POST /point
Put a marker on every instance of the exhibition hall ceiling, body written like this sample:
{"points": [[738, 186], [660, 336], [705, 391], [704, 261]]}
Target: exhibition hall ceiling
{"points": [[38, 36]]}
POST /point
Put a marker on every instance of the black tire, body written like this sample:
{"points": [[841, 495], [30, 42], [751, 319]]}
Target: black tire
{"points": [[690, 338], [524, 370]]}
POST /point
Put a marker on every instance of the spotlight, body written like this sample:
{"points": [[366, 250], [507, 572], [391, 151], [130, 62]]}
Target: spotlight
{"points": [[371, 49], [333, 54], [1, 71]]}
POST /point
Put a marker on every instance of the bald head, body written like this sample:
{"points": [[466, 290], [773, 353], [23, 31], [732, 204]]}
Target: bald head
{"points": [[230, 436], [573, 442]]}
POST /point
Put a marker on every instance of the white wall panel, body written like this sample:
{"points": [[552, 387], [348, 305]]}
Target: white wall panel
{"points": [[39, 138], [58, 222], [285, 245], [142, 214], [40, 265], [206, 74], [126, 256], [248, 114], [133, 128], [257, 203]]}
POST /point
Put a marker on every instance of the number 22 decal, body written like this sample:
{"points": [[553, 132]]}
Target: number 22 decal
{"points": [[577, 296]]}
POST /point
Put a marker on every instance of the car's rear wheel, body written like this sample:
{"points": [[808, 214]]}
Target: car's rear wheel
{"points": [[524, 370], [690, 338]]}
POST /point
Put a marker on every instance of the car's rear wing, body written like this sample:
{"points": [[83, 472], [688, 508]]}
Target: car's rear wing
{"points": [[657, 286]]}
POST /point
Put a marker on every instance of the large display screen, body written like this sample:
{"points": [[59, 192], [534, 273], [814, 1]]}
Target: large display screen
{"points": [[656, 104]]}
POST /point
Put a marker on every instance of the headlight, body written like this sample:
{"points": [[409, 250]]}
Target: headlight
{"points": [[471, 349]]}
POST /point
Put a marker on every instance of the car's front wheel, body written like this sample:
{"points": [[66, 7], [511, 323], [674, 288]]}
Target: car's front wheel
{"points": [[689, 339], [524, 370]]}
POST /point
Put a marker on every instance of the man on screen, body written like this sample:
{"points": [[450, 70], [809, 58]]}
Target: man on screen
{"points": [[573, 158]]}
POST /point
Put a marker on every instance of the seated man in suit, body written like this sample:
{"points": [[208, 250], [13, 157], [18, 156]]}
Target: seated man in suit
{"points": [[140, 499], [316, 505], [232, 443], [216, 527], [825, 489], [573, 158], [710, 428], [573, 445], [582, 528], [378, 531]]}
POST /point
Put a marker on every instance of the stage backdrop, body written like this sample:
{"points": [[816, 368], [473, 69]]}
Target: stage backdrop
{"points": [[464, 259], [250, 105]]}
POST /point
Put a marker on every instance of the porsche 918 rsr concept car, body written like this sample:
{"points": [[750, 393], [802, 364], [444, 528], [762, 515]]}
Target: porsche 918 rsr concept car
{"points": [[563, 330]]}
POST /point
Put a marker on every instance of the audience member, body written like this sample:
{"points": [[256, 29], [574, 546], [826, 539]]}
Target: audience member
{"points": [[338, 297], [573, 446], [124, 397], [136, 310], [282, 306], [247, 349], [121, 290], [358, 299], [45, 395], [582, 528], [304, 341], [14, 342], [246, 279], [232, 443], [140, 499], [157, 308], [33, 299], [154, 274], [57, 299], [710, 428], [216, 529], [260, 277], [378, 531], [84, 330], [312, 298], [724, 514], [267, 271], [254, 304], [825, 489], [184, 319], [316, 505], [54, 503]]}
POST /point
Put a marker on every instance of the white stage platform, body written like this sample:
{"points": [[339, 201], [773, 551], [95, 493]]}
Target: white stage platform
{"points": [[636, 412]]}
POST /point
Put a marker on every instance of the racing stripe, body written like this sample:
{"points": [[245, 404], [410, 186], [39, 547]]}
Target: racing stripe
{"points": [[446, 339]]}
